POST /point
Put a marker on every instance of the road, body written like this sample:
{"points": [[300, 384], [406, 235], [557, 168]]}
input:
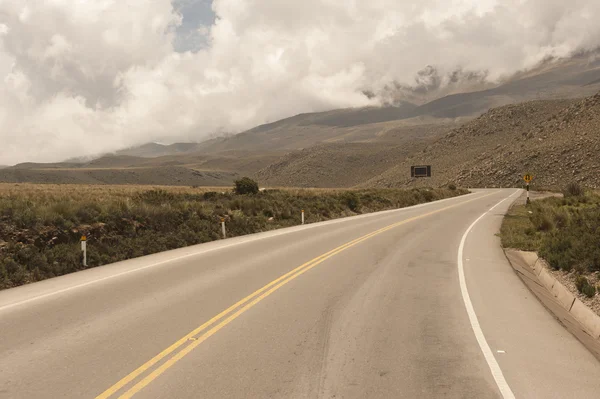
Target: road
{"points": [[411, 303]]}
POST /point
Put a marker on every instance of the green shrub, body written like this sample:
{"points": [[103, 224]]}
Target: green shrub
{"points": [[589, 291], [581, 282], [573, 189], [210, 195], [557, 250], [352, 201], [561, 218], [542, 222], [245, 186]]}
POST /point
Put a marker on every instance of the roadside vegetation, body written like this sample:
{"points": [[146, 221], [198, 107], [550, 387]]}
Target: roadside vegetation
{"points": [[564, 231], [41, 225]]}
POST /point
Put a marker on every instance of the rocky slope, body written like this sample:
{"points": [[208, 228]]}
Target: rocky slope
{"points": [[558, 141]]}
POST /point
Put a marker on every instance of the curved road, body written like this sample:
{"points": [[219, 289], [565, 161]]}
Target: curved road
{"points": [[413, 303]]}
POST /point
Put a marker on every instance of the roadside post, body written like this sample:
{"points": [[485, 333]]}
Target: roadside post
{"points": [[223, 227], [84, 249], [528, 178], [302, 216]]}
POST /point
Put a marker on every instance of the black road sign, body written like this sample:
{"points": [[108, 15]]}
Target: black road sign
{"points": [[420, 171]]}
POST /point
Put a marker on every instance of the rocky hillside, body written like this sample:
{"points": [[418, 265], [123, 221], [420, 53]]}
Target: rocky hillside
{"points": [[558, 141]]}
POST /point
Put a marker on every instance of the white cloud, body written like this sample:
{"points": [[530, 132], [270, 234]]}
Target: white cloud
{"points": [[85, 77]]}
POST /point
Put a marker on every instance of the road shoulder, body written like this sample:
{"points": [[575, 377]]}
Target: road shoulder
{"points": [[557, 299], [539, 358]]}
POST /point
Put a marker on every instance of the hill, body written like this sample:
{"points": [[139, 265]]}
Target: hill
{"points": [[168, 176], [558, 141], [151, 150], [349, 164]]}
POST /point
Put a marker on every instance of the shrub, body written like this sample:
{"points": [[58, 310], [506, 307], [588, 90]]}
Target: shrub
{"points": [[210, 196], [542, 222], [557, 249], [245, 186], [573, 189], [155, 197], [352, 201], [581, 282], [589, 291], [452, 186]]}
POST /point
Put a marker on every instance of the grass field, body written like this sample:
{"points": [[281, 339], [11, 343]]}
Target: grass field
{"points": [[41, 225]]}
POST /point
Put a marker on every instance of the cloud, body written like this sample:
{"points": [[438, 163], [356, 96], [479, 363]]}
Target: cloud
{"points": [[86, 77]]}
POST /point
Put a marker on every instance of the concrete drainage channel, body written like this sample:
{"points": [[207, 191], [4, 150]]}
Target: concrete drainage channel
{"points": [[580, 320]]}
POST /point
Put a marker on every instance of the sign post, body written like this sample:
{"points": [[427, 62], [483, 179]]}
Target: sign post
{"points": [[84, 249], [223, 227], [302, 216], [528, 178]]}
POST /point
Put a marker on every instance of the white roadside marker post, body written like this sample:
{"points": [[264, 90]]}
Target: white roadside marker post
{"points": [[528, 178], [302, 216], [223, 227], [84, 249]]}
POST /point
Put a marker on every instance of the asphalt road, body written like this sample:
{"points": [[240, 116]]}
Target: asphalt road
{"points": [[398, 304]]}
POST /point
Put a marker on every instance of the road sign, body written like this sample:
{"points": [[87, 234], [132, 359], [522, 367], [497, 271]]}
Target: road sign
{"points": [[420, 171], [528, 178]]}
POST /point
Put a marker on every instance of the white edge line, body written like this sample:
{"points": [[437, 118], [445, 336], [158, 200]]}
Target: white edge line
{"points": [[207, 250], [505, 390]]}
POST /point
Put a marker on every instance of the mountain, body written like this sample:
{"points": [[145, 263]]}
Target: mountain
{"points": [[572, 78], [152, 150], [347, 147]]}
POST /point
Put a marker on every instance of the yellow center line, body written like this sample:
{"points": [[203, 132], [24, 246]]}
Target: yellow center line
{"points": [[243, 305]]}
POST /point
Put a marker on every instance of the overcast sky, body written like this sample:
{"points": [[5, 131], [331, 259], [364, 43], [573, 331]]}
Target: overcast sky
{"points": [[83, 77]]}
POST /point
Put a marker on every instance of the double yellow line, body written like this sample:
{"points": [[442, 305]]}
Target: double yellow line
{"points": [[230, 314]]}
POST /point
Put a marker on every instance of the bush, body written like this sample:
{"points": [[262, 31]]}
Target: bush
{"points": [[542, 222], [245, 186], [210, 196], [155, 197], [352, 201], [584, 287], [581, 282], [452, 186], [589, 291], [573, 189]]}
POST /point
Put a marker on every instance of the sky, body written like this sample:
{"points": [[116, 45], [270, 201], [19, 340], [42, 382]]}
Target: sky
{"points": [[85, 77]]}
